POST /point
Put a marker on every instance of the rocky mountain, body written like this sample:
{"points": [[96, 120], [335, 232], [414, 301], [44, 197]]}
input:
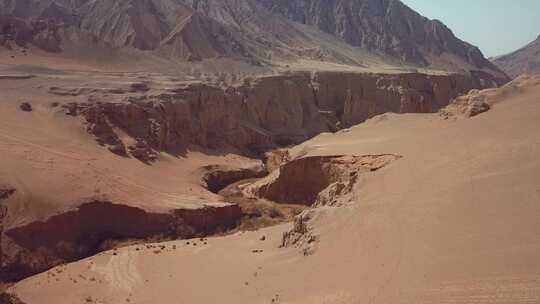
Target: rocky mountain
{"points": [[386, 26], [260, 32], [524, 60]]}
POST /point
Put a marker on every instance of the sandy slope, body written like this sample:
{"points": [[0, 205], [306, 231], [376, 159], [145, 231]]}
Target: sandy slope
{"points": [[456, 220]]}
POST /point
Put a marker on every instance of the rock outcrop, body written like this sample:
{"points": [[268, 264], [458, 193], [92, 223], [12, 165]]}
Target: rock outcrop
{"points": [[218, 178], [6, 298], [319, 181], [301, 235], [6, 192]]}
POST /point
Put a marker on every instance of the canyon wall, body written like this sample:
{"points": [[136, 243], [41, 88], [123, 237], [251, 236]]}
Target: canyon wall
{"points": [[262, 113], [94, 226]]}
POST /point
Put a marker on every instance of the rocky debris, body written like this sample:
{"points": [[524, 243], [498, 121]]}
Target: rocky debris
{"points": [[274, 159], [71, 109], [97, 123], [142, 151], [72, 235], [7, 298], [6, 192], [118, 149], [470, 105], [319, 180], [258, 213], [301, 235], [262, 114], [478, 107], [219, 177], [26, 107]]}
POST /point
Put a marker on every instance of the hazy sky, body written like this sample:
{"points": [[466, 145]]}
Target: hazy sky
{"points": [[497, 27]]}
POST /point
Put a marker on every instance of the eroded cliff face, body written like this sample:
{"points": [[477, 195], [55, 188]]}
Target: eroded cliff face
{"points": [[37, 246], [260, 114], [318, 181]]}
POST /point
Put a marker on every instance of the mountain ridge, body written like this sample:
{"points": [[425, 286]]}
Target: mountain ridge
{"points": [[522, 61], [260, 32]]}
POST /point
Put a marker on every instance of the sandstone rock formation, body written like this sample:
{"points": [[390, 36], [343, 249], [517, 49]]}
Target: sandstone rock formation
{"points": [[523, 61], [318, 181], [219, 177], [259, 115]]}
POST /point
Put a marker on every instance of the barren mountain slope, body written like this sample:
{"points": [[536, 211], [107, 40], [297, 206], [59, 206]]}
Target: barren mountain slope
{"points": [[440, 209], [255, 31], [386, 26], [523, 61]]}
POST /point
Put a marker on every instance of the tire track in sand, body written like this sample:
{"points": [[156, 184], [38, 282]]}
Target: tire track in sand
{"points": [[121, 271]]}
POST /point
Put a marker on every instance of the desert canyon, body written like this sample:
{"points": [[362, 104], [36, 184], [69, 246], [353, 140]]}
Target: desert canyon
{"points": [[262, 151]]}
